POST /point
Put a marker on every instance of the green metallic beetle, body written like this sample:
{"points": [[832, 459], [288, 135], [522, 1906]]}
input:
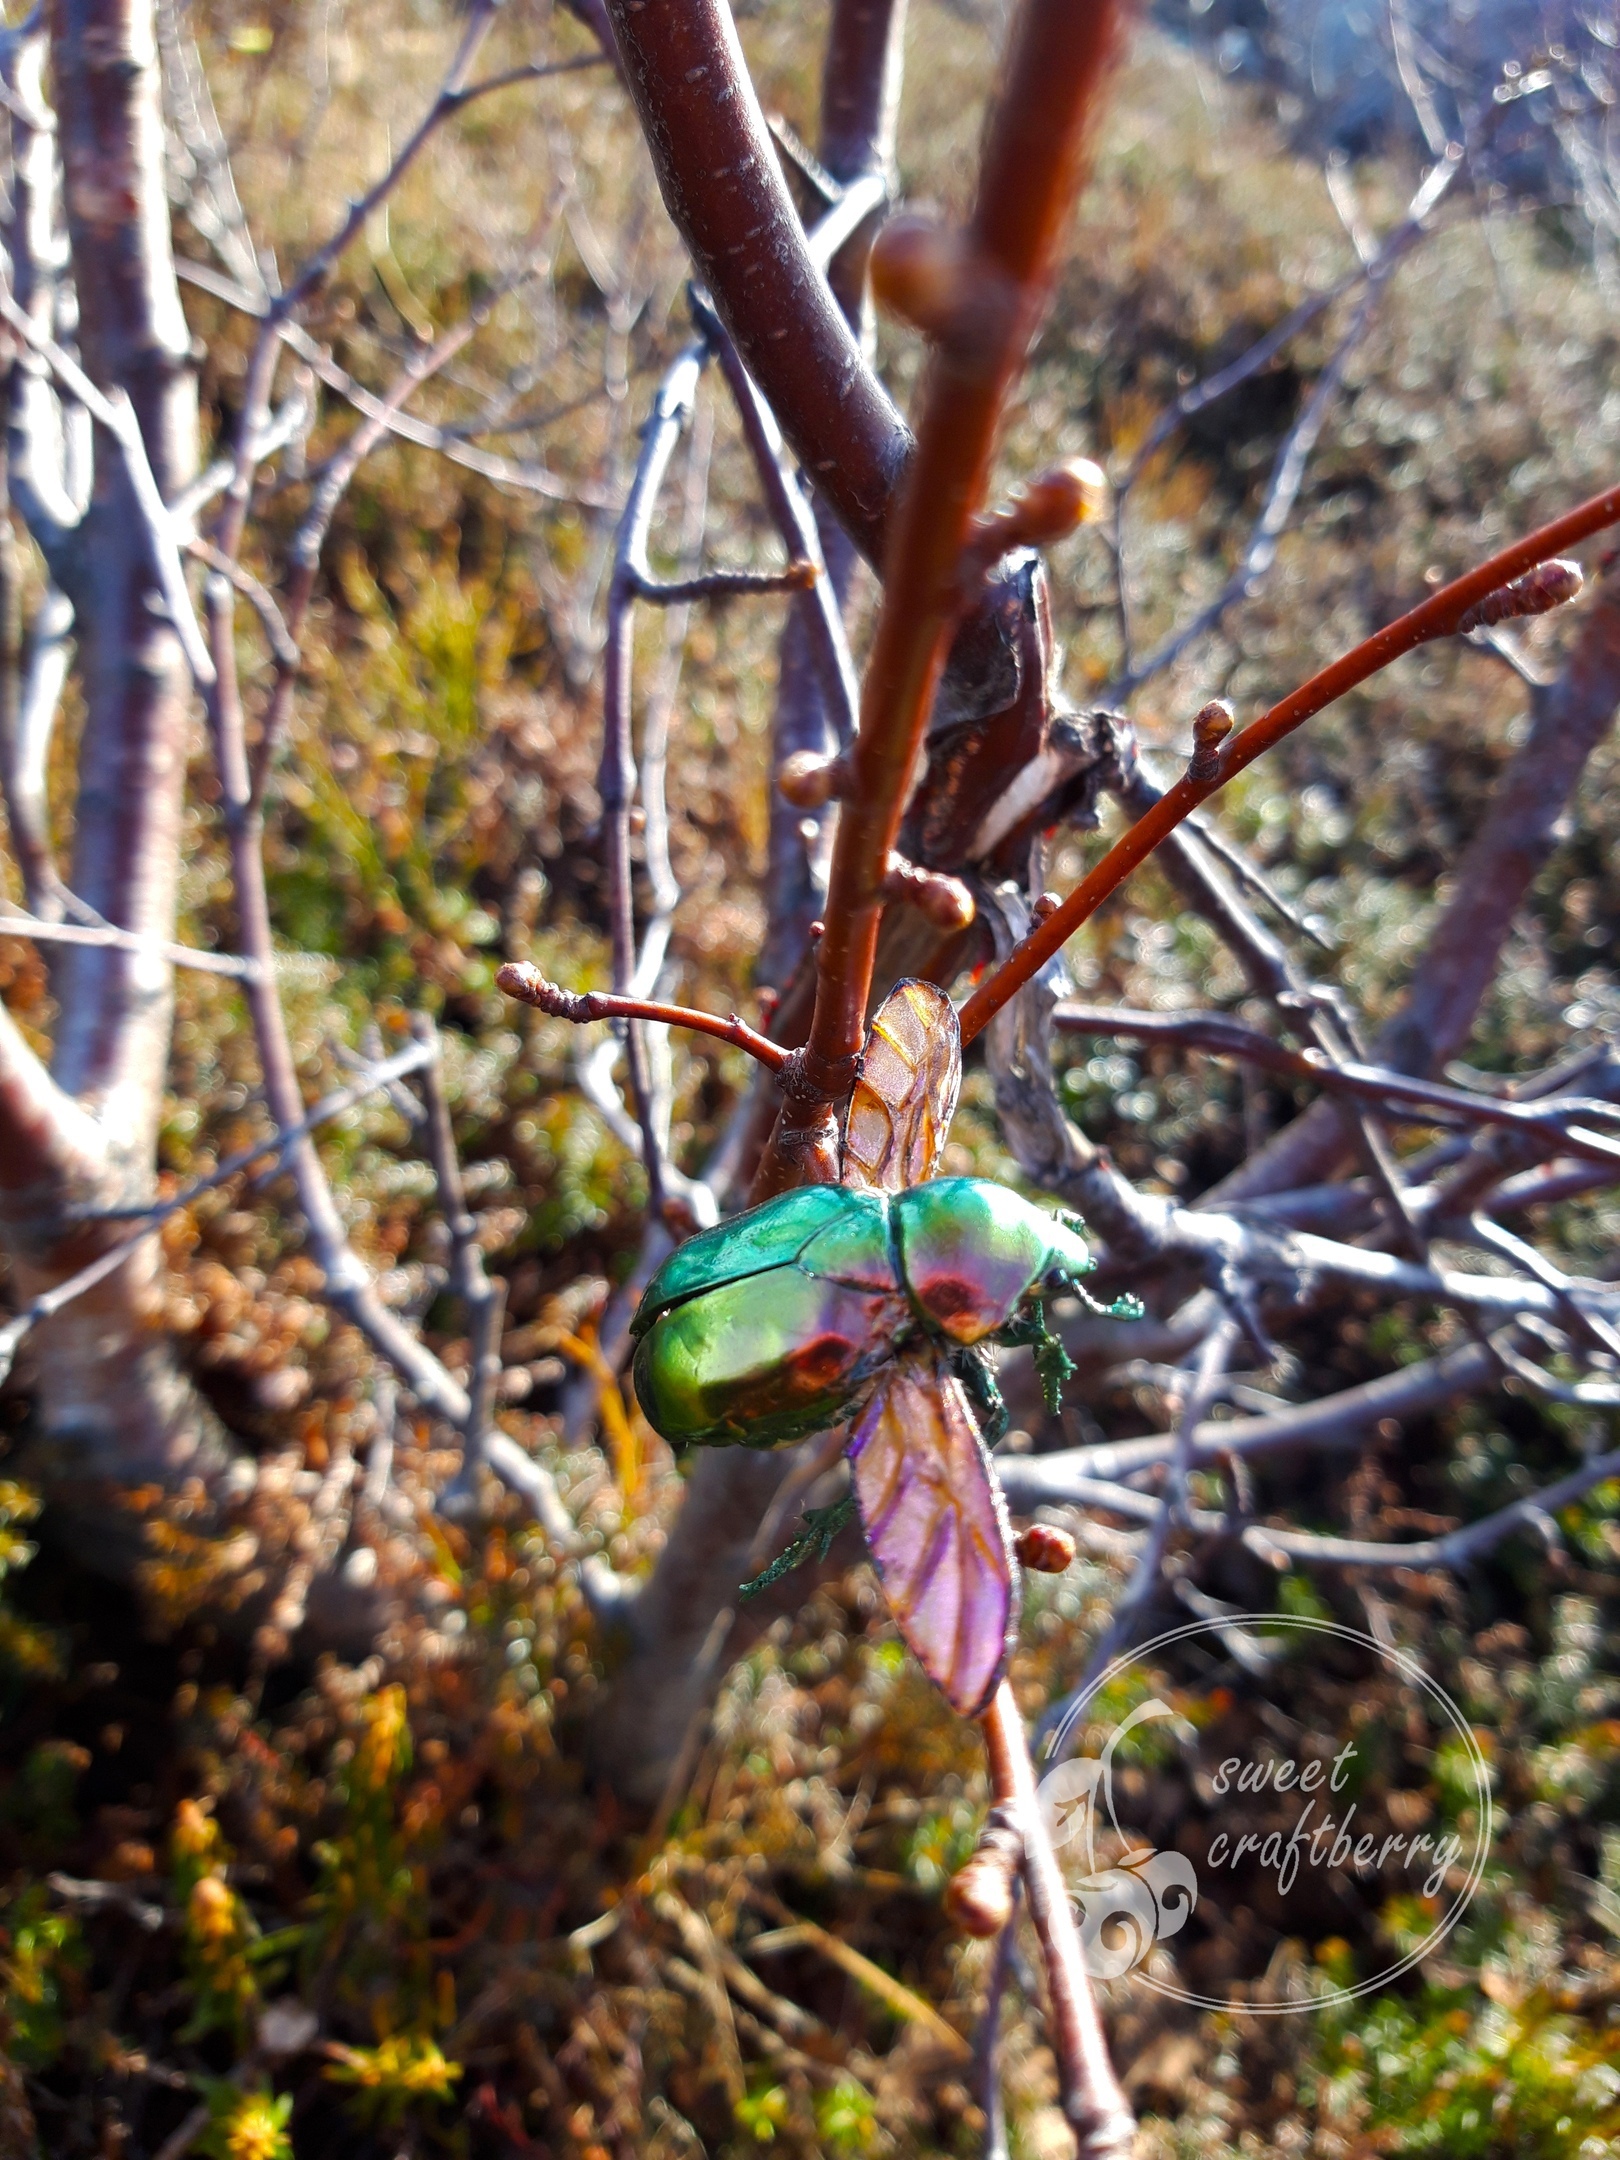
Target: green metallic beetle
{"points": [[773, 1325], [875, 1298]]}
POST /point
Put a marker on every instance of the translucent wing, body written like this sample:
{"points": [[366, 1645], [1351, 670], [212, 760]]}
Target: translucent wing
{"points": [[911, 1074], [936, 1525]]}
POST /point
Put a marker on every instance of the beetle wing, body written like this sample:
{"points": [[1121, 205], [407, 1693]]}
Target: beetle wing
{"points": [[936, 1526], [905, 1098]]}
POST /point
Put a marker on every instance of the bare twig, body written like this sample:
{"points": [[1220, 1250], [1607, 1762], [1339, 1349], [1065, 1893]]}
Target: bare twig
{"points": [[1095, 2105], [1162, 1516], [310, 538], [1288, 469], [185, 956], [275, 1148], [616, 776], [520, 980], [263, 602], [1336, 1421], [1522, 826], [724, 584], [514, 473], [117, 415], [483, 1299], [1435, 617], [1457, 1549], [1391, 1093], [987, 2064], [796, 523]]}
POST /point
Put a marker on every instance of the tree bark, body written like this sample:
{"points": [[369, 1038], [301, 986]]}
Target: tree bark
{"points": [[110, 1401]]}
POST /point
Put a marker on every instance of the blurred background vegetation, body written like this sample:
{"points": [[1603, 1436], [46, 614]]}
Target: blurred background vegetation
{"points": [[376, 1909]]}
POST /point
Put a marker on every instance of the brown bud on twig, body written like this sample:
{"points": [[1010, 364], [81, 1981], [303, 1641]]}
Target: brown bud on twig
{"points": [[519, 979], [919, 271], [1044, 1550], [809, 779], [1043, 904], [945, 901], [1548, 585], [1211, 727], [979, 1896], [1048, 508], [931, 277]]}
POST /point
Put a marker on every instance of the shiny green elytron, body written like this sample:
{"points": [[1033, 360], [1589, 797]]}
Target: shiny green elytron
{"points": [[771, 1325]]}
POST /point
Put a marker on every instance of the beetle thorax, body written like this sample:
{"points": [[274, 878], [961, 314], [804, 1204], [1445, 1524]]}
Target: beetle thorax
{"points": [[969, 1253]]}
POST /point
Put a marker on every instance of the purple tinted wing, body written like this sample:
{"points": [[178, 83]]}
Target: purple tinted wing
{"points": [[936, 1526], [911, 1074]]}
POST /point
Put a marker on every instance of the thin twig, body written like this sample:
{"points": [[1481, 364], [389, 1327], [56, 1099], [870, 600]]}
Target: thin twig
{"points": [[987, 2050], [1093, 2101], [672, 409], [515, 473], [185, 956], [483, 1299], [1435, 617], [1288, 468], [1162, 1516], [1336, 1421], [259, 597], [1457, 1549], [275, 1148], [795, 521], [1390, 1092], [724, 584], [519, 979], [1282, 492], [117, 415]]}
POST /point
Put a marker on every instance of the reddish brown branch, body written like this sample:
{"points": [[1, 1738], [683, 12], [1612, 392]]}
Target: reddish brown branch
{"points": [[1437, 617], [521, 980], [1031, 172], [1092, 2099], [724, 190], [1524, 822]]}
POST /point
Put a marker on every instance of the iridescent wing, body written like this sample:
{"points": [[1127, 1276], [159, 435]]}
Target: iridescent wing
{"points": [[936, 1526], [911, 1074]]}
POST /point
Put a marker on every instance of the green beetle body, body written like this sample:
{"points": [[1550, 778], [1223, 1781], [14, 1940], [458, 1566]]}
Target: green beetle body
{"points": [[770, 1326]]}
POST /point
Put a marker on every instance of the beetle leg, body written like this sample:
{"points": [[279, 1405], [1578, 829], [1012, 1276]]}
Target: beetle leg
{"points": [[1059, 1283], [1126, 1306], [978, 1376], [821, 1526], [1053, 1365]]}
